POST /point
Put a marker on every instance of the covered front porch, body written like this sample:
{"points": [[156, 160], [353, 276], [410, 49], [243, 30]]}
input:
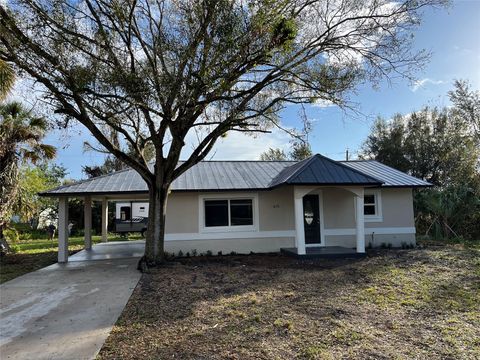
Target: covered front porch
{"points": [[311, 229]]}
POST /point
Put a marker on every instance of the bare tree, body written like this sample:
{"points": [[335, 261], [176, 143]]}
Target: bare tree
{"points": [[156, 70]]}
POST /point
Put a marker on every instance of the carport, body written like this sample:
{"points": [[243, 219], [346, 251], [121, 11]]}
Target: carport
{"points": [[125, 186], [63, 218]]}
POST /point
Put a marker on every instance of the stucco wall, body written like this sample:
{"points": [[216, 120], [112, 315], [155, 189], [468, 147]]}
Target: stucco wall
{"points": [[226, 246], [182, 213], [397, 209], [338, 209], [371, 240], [276, 209], [276, 224]]}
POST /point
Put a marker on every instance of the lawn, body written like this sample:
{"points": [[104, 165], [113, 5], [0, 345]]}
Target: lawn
{"points": [[393, 304], [36, 254]]}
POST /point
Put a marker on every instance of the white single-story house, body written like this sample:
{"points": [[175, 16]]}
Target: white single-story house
{"points": [[265, 206]]}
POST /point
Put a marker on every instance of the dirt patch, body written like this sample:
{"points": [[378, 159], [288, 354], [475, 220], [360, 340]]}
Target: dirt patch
{"points": [[392, 304]]}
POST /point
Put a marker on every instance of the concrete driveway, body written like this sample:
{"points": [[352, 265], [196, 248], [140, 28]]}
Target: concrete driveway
{"points": [[67, 311]]}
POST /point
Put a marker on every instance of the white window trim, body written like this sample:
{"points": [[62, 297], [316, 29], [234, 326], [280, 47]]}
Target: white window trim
{"points": [[227, 196], [378, 217]]}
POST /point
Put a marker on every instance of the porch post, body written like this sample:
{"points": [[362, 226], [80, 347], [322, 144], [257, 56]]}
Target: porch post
{"points": [[360, 222], [87, 222], [299, 225], [62, 229], [104, 220]]}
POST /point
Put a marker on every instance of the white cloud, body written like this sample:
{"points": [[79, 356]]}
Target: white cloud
{"points": [[239, 146], [423, 82], [322, 103]]}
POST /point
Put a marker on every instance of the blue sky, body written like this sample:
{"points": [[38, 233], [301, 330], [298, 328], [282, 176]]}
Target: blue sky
{"points": [[453, 36]]}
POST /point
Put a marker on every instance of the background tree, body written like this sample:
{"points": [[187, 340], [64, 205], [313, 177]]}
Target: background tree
{"points": [[31, 181], [7, 79], [385, 143], [300, 147], [111, 163], [467, 104], [21, 134], [273, 154], [156, 71], [442, 147]]}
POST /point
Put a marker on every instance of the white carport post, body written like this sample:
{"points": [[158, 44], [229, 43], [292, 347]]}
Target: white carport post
{"points": [[62, 229], [87, 222], [360, 221], [104, 220]]}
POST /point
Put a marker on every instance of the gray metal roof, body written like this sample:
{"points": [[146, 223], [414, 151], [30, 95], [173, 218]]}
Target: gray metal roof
{"points": [[391, 177], [321, 170], [249, 175]]}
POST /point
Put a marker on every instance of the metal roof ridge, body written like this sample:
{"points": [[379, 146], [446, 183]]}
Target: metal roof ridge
{"points": [[306, 161], [340, 163]]}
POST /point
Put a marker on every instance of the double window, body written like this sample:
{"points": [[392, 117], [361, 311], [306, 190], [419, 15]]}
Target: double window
{"points": [[228, 212]]}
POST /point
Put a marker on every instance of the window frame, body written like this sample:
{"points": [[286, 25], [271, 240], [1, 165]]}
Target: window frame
{"points": [[247, 196], [377, 195]]}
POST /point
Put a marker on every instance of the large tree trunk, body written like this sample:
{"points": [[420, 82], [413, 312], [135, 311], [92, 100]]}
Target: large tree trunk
{"points": [[155, 237]]}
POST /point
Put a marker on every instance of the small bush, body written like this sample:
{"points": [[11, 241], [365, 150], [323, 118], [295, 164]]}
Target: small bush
{"points": [[11, 235], [219, 253], [180, 253], [14, 248], [209, 253], [233, 253], [194, 252]]}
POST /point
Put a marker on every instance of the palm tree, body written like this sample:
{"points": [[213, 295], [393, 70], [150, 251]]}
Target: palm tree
{"points": [[7, 79], [21, 134]]}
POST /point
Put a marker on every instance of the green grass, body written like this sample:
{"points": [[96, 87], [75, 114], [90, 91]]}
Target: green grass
{"points": [[32, 255], [74, 243]]}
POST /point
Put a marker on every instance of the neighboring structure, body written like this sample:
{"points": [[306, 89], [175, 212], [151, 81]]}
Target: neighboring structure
{"points": [[264, 206], [131, 216]]}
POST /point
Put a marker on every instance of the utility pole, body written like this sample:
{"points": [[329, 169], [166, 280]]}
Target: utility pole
{"points": [[346, 154]]}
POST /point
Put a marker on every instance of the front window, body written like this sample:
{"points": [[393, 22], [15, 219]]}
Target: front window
{"points": [[369, 204], [241, 212], [228, 212], [216, 213], [372, 205]]}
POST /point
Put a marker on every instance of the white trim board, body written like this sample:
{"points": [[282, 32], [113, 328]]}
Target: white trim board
{"points": [[370, 231], [280, 234], [229, 235]]}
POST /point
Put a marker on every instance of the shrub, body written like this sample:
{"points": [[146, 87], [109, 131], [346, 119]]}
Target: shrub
{"points": [[11, 235], [14, 248], [180, 253], [209, 253]]}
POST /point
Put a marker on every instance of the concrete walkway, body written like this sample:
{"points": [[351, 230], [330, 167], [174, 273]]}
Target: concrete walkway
{"points": [[67, 311]]}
